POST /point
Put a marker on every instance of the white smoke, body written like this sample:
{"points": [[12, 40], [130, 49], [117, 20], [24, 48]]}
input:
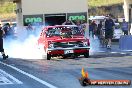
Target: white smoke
{"points": [[24, 47], [94, 42], [94, 45]]}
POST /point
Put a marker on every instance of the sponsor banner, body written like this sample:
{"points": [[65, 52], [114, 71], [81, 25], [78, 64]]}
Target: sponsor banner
{"points": [[32, 19], [77, 16]]}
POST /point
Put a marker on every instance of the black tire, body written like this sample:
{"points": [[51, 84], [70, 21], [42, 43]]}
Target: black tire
{"points": [[48, 56], [86, 55], [5, 57], [75, 56], [85, 81], [64, 57]]}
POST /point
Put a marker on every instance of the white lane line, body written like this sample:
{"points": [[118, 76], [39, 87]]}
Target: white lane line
{"points": [[113, 52], [127, 50], [123, 53], [31, 76], [10, 76], [5, 81]]}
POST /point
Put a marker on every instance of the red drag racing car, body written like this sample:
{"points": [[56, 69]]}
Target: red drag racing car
{"points": [[63, 40]]}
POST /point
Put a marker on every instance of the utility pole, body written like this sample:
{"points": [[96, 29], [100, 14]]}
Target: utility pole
{"points": [[130, 17]]}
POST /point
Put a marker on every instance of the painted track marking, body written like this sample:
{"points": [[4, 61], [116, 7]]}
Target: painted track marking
{"points": [[10, 76]]}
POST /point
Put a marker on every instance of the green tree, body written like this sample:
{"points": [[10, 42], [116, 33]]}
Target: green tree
{"points": [[94, 3]]}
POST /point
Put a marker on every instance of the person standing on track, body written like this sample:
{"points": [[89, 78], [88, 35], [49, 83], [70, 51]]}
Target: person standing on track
{"points": [[109, 29], [1, 44]]}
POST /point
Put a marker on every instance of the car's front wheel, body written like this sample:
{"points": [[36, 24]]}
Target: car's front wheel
{"points": [[75, 56], [86, 55], [48, 57]]}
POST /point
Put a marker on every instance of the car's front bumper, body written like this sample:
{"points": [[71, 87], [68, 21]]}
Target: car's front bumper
{"points": [[71, 50]]}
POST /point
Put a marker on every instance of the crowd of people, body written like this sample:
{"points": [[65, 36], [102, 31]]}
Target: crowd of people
{"points": [[104, 30]]}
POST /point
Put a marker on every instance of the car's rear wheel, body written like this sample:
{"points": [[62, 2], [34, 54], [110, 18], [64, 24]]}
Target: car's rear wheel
{"points": [[86, 55], [48, 57]]}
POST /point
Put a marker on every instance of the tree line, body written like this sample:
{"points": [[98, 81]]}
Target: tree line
{"points": [[7, 6]]}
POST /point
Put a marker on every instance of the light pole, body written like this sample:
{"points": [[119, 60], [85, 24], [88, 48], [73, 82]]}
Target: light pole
{"points": [[130, 17]]}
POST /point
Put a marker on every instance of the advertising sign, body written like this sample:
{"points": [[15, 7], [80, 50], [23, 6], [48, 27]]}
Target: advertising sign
{"points": [[77, 16], [32, 19]]}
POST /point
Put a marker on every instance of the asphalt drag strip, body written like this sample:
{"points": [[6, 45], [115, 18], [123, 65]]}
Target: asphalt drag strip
{"points": [[6, 78], [66, 72], [12, 77]]}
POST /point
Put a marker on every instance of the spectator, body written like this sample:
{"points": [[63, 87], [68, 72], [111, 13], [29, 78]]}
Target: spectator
{"points": [[0, 26], [29, 29], [8, 31], [109, 24], [100, 33], [80, 26], [14, 30], [68, 22], [1, 44], [124, 27], [94, 28], [90, 29], [99, 28]]}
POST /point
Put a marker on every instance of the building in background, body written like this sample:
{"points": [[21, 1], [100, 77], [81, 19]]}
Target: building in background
{"points": [[50, 12]]}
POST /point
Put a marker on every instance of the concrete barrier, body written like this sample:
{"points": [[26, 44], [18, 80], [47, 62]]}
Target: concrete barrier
{"points": [[125, 42]]}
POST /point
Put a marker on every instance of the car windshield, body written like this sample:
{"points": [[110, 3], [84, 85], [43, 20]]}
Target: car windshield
{"points": [[59, 31]]}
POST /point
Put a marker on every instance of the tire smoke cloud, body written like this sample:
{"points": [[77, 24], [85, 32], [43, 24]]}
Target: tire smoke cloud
{"points": [[24, 46]]}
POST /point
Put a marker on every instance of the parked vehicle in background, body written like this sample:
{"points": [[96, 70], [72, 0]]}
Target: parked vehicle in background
{"points": [[63, 40], [117, 31], [97, 19]]}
